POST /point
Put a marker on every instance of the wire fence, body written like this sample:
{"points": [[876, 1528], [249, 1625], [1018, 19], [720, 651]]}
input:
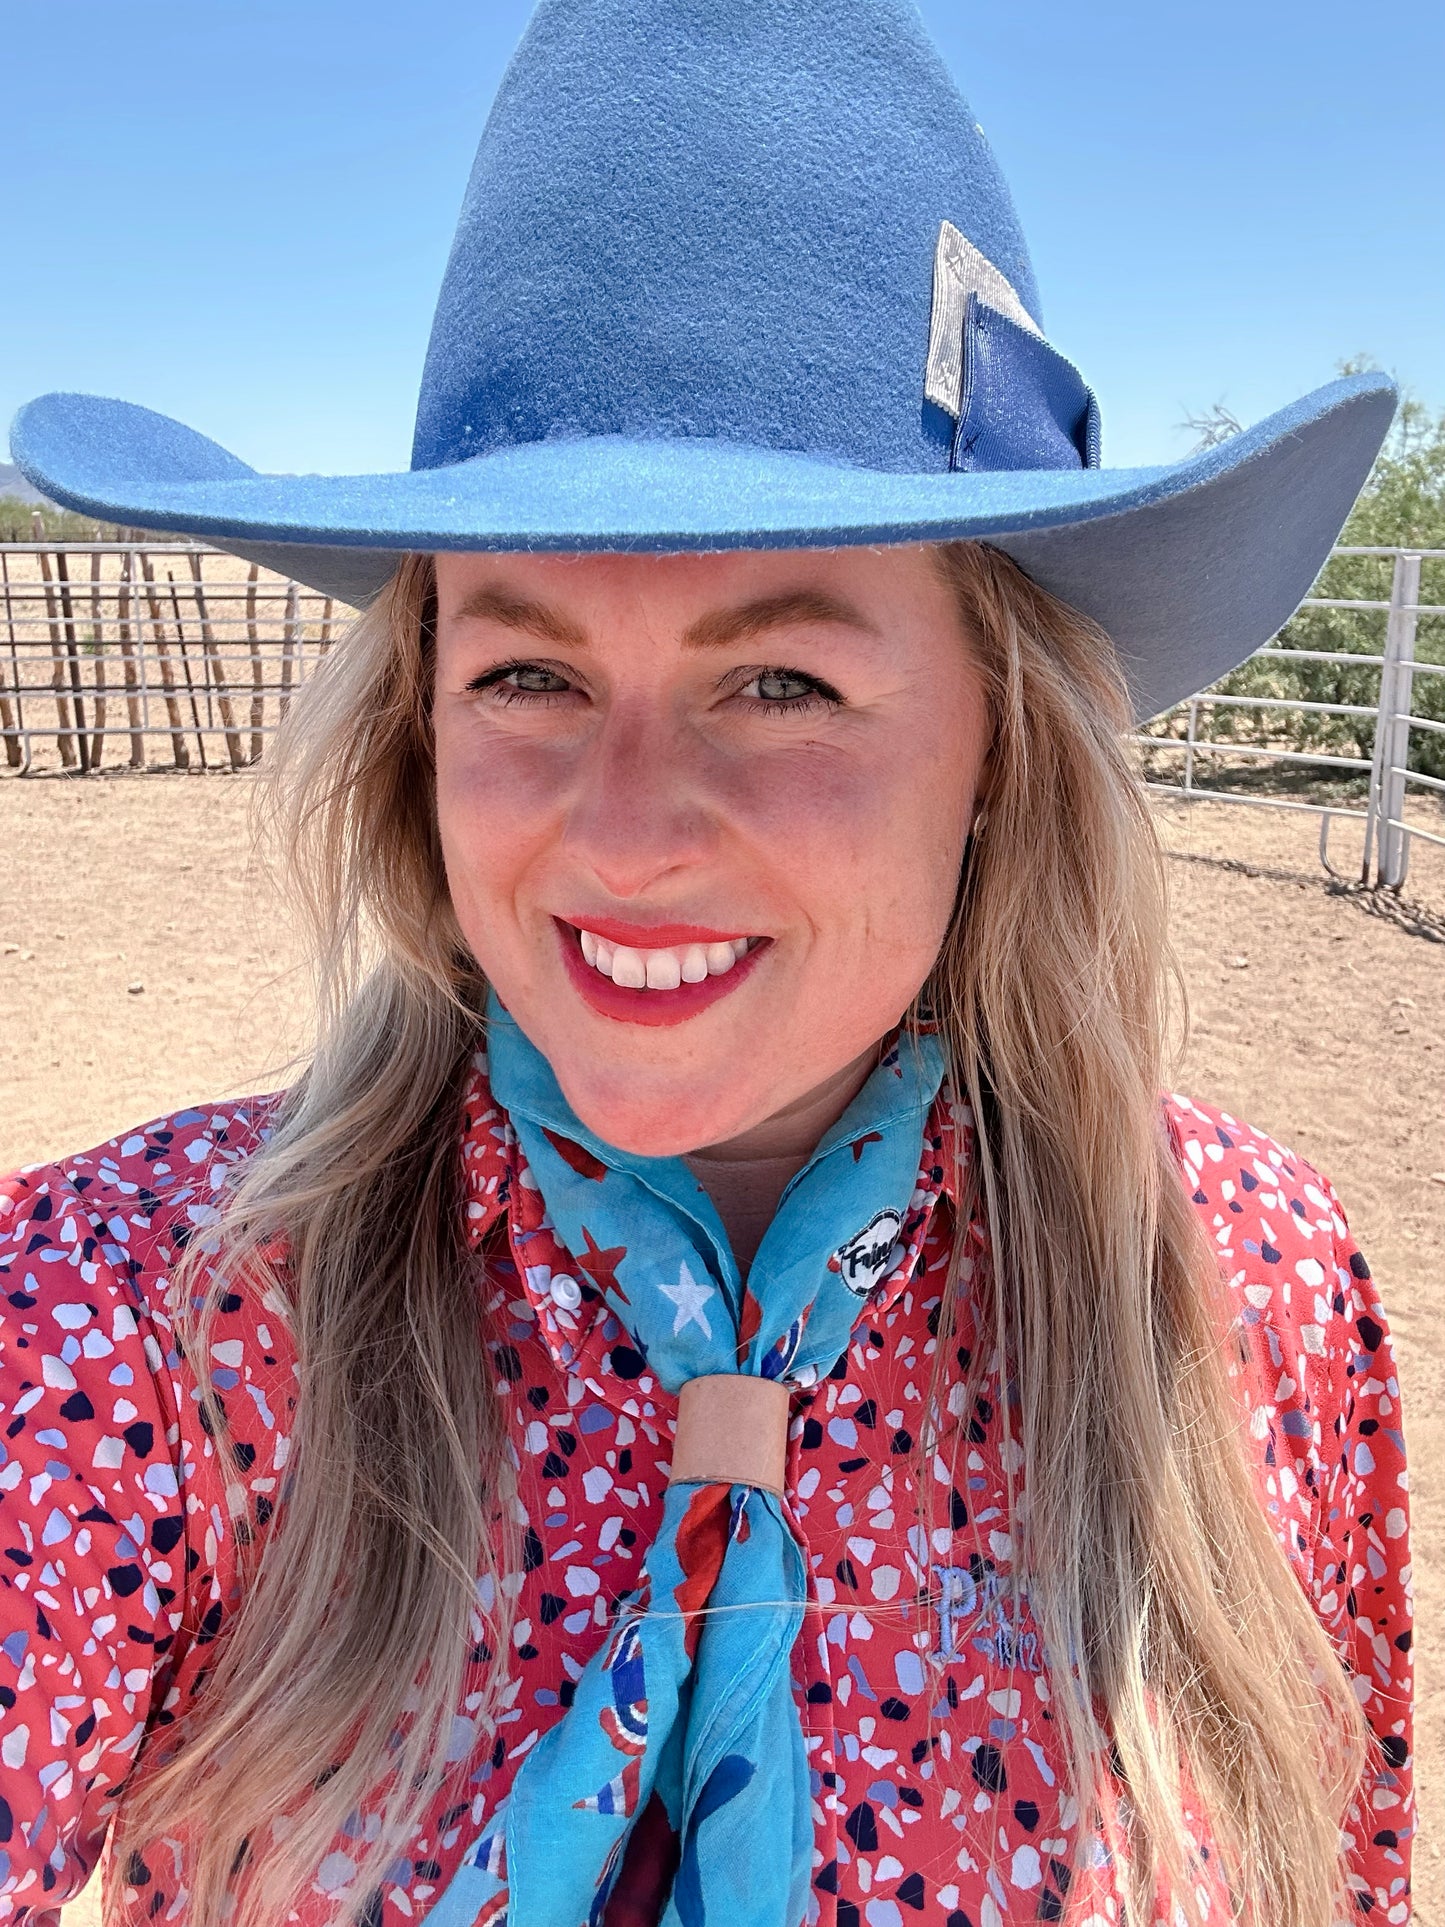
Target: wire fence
{"points": [[149, 655], [153, 655], [1343, 714]]}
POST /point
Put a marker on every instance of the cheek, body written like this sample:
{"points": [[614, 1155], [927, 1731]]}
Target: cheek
{"points": [[912, 865], [493, 818], [871, 847]]}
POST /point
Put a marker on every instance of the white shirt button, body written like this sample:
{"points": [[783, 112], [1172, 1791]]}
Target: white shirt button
{"points": [[565, 1291]]}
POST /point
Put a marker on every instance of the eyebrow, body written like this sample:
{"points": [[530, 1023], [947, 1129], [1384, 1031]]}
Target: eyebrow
{"points": [[789, 609], [516, 612]]}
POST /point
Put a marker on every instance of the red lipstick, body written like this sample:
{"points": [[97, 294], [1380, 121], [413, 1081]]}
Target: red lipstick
{"points": [[659, 1009], [653, 936]]}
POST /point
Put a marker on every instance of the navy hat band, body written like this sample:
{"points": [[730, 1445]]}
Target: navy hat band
{"points": [[1023, 404]]}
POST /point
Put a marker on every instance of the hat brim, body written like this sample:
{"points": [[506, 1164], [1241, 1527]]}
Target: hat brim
{"points": [[1190, 567]]}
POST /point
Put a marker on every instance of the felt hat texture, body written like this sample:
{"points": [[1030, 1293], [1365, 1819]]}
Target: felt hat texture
{"points": [[745, 274]]}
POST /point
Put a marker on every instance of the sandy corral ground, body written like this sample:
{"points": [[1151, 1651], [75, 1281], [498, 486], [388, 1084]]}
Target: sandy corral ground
{"points": [[144, 962]]}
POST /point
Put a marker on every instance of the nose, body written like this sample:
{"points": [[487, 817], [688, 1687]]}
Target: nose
{"points": [[638, 813]]}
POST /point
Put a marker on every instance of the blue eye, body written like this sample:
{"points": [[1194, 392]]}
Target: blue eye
{"points": [[789, 689], [513, 682], [781, 685]]}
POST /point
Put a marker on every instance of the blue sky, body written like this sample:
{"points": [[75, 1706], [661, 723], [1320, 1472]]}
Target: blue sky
{"points": [[238, 211]]}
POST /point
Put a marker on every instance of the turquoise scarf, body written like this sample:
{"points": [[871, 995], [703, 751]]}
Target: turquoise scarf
{"points": [[682, 1748]]}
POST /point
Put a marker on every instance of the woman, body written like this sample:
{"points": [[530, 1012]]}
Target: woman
{"points": [[723, 1394]]}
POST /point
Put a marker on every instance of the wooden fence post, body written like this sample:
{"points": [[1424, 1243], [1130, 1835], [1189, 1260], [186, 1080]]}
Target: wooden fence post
{"points": [[289, 633], [213, 664], [12, 720], [180, 755], [127, 655], [186, 666], [289, 644], [64, 731], [97, 637], [258, 669], [67, 610]]}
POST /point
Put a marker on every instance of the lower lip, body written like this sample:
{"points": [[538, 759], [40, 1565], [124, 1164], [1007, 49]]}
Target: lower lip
{"points": [[655, 1007]]}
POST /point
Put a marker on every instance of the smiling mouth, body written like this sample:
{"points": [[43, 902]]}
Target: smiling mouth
{"points": [[665, 969], [656, 983]]}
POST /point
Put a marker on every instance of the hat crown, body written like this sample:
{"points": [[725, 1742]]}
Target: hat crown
{"points": [[712, 219]]}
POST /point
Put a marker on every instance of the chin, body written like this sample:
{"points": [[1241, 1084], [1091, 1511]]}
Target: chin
{"points": [[659, 1122]]}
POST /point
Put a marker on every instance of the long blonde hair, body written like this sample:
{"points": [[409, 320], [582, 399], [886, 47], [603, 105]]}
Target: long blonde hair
{"points": [[1146, 1551]]}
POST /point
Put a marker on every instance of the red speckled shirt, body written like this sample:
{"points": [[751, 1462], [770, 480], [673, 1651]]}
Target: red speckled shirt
{"points": [[937, 1771]]}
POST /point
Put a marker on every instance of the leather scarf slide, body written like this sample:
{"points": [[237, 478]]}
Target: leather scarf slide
{"points": [[681, 1756]]}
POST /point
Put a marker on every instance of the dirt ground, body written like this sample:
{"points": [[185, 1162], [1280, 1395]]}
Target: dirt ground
{"points": [[145, 962]]}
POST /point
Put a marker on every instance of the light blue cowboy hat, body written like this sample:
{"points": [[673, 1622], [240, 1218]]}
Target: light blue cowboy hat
{"points": [[745, 274]]}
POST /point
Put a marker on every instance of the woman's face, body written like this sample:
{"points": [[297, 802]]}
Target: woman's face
{"points": [[703, 816]]}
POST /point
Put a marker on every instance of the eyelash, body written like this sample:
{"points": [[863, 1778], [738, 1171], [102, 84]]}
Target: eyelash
{"points": [[492, 684], [819, 694], [819, 697]]}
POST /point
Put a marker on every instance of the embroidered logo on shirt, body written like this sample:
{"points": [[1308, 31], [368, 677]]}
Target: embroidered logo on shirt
{"points": [[863, 1261], [976, 1601]]}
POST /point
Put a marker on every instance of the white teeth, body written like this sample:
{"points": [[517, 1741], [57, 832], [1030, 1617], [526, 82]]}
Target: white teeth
{"points": [[661, 969], [664, 970], [628, 969]]}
